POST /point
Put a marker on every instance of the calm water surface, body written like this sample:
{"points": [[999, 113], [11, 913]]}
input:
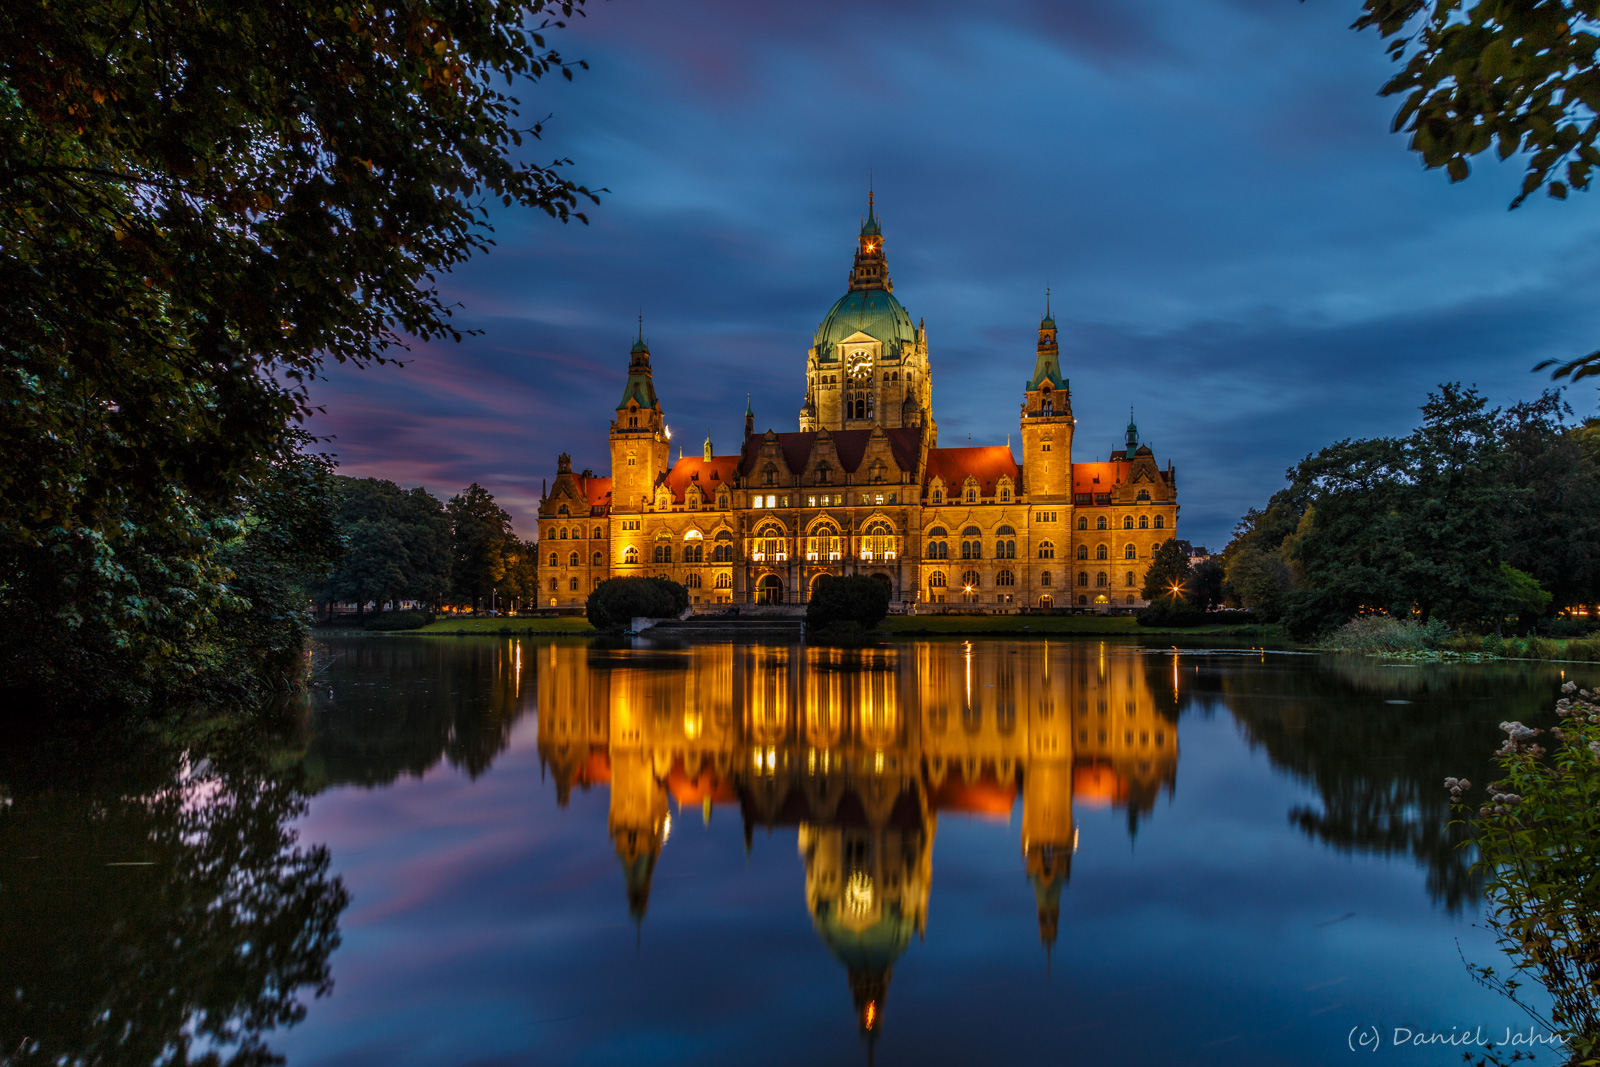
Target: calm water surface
{"points": [[512, 851]]}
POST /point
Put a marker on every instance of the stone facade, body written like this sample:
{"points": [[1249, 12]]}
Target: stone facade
{"points": [[864, 488]]}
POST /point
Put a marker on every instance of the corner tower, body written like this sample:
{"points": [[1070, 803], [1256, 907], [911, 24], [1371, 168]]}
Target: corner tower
{"points": [[639, 439], [1047, 421], [868, 365]]}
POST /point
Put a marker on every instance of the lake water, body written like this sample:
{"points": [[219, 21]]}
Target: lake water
{"points": [[498, 851]]}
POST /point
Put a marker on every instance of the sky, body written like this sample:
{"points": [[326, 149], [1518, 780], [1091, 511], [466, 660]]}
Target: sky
{"points": [[1235, 244]]}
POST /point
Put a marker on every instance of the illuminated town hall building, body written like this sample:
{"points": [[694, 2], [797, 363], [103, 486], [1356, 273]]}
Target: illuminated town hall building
{"points": [[863, 487]]}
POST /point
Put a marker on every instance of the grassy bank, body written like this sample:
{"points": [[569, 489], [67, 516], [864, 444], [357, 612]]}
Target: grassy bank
{"points": [[564, 624], [1032, 625]]}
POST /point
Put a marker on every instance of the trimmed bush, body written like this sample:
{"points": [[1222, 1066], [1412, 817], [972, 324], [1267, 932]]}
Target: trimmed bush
{"points": [[853, 603], [616, 602], [398, 620]]}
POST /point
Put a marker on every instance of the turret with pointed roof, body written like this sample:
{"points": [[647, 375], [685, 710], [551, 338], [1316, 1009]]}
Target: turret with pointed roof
{"points": [[639, 436], [1047, 421]]}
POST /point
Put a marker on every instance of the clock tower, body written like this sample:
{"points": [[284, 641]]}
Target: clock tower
{"points": [[868, 365]]}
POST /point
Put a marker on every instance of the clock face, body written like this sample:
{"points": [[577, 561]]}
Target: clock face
{"points": [[861, 365]]}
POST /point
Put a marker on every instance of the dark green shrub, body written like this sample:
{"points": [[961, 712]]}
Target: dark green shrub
{"points": [[1585, 651], [616, 602], [1165, 611], [398, 620], [856, 599], [1462, 643], [1566, 626], [1494, 645], [1542, 648]]}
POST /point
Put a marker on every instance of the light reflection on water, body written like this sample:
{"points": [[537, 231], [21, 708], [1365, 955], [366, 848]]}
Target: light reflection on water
{"points": [[930, 852]]}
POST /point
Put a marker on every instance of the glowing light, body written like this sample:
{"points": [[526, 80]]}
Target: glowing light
{"points": [[877, 763], [1074, 840], [666, 827], [693, 725], [870, 1019]]}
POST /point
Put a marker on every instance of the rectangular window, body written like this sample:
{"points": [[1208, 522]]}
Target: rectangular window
{"points": [[1081, 499]]}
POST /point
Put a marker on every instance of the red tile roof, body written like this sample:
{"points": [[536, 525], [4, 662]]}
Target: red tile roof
{"points": [[1109, 472], [597, 491], [695, 470], [987, 463]]}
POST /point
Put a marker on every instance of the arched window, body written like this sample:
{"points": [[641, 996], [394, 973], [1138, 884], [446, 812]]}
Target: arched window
{"points": [[1083, 600], [663, 553], [824, 543], [553, 585], [1044, 578], [971, 579], [694, 552], [597, 560], [1047, 550], [1083, 578], [563, 533], [630, 555], [1006, 549], [972, 494], [572, 561], [938, 531], [551, 536], [724, 581], [572, 583], [769, 544], [1130, 581], [1083, 551], [1101, 552], [1100, 580], [1005, 578], [692, 581], [1083, 522], [938, 550], [722, 551], [1100, 523], [1127, 522], [1129, 552], [769, 475], [1144, 522], [1161, 521], [553, 562], [562, 511], [1006, 531], [1144, 494], [938, 496], [877, 542], [599, 532]]}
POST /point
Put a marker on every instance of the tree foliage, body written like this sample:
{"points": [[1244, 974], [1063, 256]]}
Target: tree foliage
{"points": [[1467, 519], [1169, 572], [203, 202], [480, 538], [397, 545], [1517, 77]]}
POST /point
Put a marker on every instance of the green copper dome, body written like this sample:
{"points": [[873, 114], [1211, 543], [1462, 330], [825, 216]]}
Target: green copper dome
{"points": [[874, 312]]}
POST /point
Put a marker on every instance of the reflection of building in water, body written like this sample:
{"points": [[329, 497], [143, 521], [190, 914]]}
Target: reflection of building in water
{"points": [[861, 751]]}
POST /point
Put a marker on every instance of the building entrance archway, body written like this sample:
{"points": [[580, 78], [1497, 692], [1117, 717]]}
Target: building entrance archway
{"points": [[769, 590]]}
